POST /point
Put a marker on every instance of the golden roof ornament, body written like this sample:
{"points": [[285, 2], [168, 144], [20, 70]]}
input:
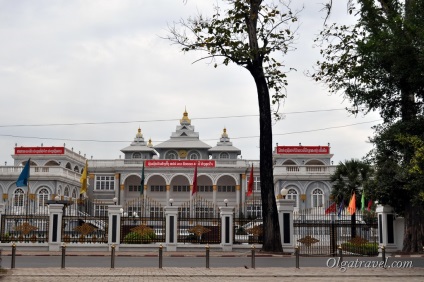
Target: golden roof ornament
{"points": [[139, 134], [185, 120], [224, 133]]}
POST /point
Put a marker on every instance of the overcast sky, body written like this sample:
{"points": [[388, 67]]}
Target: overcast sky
{"points": [[97, 61]]}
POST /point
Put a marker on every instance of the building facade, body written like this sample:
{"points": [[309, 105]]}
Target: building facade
{"points": [[168, 169]]}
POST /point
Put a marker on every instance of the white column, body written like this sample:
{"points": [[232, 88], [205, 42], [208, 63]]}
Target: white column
{"points": [[117, 187], [227, 228], [55, 226], [285, 209], [2, 208], [114, 230], [386, 230], [122, 194], [171, 215], [214, 191]]}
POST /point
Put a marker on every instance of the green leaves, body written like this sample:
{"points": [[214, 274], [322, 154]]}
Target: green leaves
{"points": [[351, 176], [377, 62], [246, 34]]}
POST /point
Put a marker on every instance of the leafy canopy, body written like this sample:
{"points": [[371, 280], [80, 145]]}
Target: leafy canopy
{"points": [[378, 62], [227, 37], [349, 177], [399, 181]]}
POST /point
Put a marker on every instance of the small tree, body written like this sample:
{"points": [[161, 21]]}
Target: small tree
{"points": [[248, 34], [352, 176], [349, 177]]}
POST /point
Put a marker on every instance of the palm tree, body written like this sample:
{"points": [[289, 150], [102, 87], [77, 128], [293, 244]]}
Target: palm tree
{"points": [[352, 176]]}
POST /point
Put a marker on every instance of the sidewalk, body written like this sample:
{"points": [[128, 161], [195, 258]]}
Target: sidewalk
{"points": [[155, 253], [221, 274], [213, 274]]}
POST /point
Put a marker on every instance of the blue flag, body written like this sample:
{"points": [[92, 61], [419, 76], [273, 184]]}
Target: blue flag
{"points": [[341, 207], [24, 176]]}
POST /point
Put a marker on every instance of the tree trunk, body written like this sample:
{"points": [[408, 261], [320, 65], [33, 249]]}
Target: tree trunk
{"points": [[413, 240], [271, 227]]}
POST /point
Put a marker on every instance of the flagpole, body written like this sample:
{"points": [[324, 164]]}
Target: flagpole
{"points": [[27, 202]]}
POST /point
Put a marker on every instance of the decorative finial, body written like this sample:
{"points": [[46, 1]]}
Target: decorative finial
{"points": [[139, 134], [185, 120], [224, 133]]}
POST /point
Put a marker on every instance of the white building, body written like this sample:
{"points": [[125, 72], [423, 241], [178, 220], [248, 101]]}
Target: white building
{"points": [[169, 172]]}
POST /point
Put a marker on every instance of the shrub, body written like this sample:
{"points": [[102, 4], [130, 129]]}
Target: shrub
{"points": [[137, 238], [366, 249]]}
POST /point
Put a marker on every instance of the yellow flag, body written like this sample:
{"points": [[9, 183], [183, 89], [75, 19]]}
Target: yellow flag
{"points": [[352, 204], [83, 179]]}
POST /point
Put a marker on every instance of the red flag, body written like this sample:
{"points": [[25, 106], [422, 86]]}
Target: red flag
{"points": [[250, 184], [352, 204], [369, 204], [331, 208], [194, 181]]}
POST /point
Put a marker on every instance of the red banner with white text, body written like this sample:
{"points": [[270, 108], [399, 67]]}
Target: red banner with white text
{"points": [[39, 150], [308, 150], [179, 163]]}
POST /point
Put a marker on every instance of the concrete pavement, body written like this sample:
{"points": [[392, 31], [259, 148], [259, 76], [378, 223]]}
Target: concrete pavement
{"points": [[213, 274], [203, 274]]}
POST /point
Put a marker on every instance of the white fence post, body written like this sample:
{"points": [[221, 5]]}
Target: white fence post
{"points": [[387, 236], [285, 209], [227, 228], [171, 214], [114, 230], [55, 226]]}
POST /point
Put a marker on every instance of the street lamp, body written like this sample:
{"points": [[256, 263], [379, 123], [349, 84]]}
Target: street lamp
{"points": [[115, 200], [226, 202], [284, 192], [171, 201], [134, 216], [121, 210]]}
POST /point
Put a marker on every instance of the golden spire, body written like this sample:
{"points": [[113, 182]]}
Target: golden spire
{"points": [[139, 134], [150, 143], [185, 119], [224, 133]]}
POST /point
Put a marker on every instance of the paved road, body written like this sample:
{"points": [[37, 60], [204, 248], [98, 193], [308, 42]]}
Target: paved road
{"points": [[190, 266], [189, 261], [213, 274]]}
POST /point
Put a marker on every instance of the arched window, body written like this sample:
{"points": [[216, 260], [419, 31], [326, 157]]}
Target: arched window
{"points": [[74, 194], [136, 156], [66, 192], [171, 156], [59, 191], [317, 198], [18, 198], [292, 195], [43, 196], [194, 156], [224, 155]]}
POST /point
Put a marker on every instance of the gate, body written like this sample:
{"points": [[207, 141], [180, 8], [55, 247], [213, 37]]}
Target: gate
{"points": [[27, 222], [84, 221], [199, 222], [248, 224], [143, 222], [318, 233]]}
